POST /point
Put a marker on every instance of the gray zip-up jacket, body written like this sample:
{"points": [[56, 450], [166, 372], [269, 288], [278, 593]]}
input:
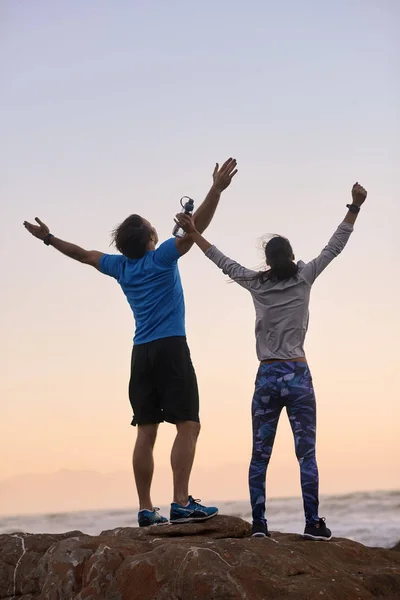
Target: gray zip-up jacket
{"points": [[282, 307]]}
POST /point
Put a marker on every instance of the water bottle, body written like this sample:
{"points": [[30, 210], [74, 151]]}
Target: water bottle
{"points": [[187, 209]]}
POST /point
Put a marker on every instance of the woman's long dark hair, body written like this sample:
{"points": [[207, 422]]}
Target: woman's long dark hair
{"points": [[280, 258]]}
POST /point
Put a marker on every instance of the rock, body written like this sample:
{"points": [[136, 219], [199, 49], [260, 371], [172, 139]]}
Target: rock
{"points": [[20, 554], [217, 528], [397, 547], [216, 560]]}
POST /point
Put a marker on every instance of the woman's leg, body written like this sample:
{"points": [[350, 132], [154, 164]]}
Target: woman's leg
{"points": [[265, 411], [301, 410]]}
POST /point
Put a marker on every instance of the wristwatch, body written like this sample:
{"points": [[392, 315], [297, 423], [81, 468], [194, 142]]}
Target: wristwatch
{"points": [[354, 208], [47, 239]]}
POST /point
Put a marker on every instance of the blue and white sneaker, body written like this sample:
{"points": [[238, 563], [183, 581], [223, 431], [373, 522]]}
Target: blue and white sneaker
{"points": [[151, 517], [192, 512]]}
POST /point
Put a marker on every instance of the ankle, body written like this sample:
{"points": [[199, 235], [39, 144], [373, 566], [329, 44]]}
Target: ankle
{"points": [[318, 524], [181, 500], [145, 506]]}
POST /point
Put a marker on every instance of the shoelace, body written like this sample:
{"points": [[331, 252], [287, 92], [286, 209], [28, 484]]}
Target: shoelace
{"points": [[197, 501], [322, 522]]}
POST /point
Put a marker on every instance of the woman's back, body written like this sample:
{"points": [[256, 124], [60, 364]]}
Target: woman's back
{"points": [[282, 306], [281, 317]]}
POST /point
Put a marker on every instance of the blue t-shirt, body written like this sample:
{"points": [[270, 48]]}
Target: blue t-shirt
{"points": [[153, 288]]}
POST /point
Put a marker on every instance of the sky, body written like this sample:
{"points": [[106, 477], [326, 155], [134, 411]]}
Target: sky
{"points": [[113, 108]]}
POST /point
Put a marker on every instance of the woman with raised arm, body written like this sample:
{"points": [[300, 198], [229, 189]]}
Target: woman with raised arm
{"points": [[281, 297]]}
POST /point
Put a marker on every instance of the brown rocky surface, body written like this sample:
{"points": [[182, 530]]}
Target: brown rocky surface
{"points": [[215, 560]]}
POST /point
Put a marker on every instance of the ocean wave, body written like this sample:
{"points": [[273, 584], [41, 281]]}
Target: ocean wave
{"points": [[372, 518]]}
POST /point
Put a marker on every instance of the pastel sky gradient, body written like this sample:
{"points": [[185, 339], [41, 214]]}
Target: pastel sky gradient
{"points": [[116, 107]]}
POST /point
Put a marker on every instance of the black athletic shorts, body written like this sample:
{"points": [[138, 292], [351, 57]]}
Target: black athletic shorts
{"points": [[163, 384]]}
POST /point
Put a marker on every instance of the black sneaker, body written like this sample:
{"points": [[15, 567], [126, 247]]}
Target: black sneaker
{"points": [[260, 529], [321, 533]]}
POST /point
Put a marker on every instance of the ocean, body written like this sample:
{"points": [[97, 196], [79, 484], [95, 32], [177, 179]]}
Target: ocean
{"points": [[372, 518]]}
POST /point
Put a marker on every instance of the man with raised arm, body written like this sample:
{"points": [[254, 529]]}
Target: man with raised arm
{"points": [[163, 385]]}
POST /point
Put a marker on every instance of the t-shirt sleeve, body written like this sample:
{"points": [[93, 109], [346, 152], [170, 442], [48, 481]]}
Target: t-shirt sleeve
{"points": [[244, 277], [334, 247], [167, 253], [111, 264]]}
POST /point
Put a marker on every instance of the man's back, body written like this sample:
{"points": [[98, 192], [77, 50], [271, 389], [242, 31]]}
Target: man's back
{"points": [[152, 286]]}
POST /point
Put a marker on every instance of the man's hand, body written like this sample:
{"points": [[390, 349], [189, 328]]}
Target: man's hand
{"points": [[359, 194], [222, 177], [39, 231], [186, 222], [88, 257]]}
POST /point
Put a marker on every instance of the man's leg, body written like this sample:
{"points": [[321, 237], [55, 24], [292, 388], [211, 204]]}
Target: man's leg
{"points": [[185, 509], [147, 414], [179, 399], [143, 463], [182, 457], [177, 388]]}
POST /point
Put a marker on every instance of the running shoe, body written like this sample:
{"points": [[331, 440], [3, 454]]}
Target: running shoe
{"points": [[193, 511], [320, 533], [260, 529], [151, 517]]}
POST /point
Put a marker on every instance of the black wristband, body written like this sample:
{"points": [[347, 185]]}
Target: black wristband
{"points": [[47, 239], [354, 208]]}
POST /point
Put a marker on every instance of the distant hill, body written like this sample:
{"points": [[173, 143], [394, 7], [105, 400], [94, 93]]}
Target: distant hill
{"points": [[67, 490]]}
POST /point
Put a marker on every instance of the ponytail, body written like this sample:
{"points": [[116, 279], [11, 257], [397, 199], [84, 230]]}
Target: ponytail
{"points": [[280, 271]]}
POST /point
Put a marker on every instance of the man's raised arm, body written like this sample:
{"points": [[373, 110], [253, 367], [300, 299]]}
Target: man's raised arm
{"points": [[42, 232], [222, 177]]}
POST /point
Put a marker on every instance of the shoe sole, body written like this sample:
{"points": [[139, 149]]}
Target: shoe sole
{"points": [[192, 519], [259, 535], [153, 525], [317, 538]]}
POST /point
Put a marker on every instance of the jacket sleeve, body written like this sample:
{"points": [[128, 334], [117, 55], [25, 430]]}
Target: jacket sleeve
{"points": [[334, 247], [244, 277]]}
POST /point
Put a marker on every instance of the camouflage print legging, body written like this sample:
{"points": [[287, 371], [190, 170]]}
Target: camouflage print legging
{"points": [[282, 384]]}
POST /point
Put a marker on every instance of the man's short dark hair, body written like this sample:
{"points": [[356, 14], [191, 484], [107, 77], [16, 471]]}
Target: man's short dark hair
{"points": [[132, 237]]}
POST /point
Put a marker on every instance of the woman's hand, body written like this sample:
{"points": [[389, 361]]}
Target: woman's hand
{"points": [[358, 194], [186, 222]]}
